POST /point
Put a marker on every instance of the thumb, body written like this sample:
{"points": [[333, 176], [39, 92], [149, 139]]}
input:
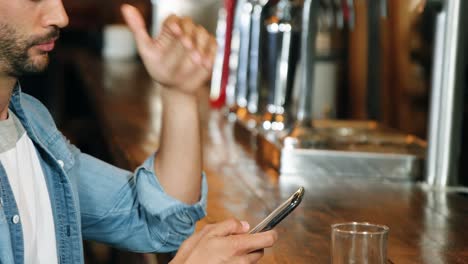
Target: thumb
{"points": [[136, 23]]}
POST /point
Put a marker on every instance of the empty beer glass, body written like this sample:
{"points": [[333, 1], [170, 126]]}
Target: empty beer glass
{"points": [[359, 243]]}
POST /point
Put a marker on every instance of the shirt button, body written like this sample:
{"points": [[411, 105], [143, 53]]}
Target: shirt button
{"points": [[15, 219], [60, 162]]}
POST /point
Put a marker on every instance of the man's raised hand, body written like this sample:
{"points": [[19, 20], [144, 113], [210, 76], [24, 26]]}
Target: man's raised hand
{"points": [[181, 56]]}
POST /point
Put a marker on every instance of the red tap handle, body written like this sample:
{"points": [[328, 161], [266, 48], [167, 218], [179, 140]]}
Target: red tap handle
{"points": [[229, 6]]}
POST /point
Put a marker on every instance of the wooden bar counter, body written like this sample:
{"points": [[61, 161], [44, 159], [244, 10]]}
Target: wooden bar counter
{"points": [[426, 226]]}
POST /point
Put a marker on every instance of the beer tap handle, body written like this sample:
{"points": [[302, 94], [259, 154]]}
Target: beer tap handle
{"points": [[242, 71], [233, 64], [253, 83], [303, 134], [216, 91], [309, 34], [329, 15], [339, 15], [349, 13], [383, 8]]}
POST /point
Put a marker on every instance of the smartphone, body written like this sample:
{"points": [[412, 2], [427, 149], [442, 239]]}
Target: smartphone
{"points": [[280, 212]]}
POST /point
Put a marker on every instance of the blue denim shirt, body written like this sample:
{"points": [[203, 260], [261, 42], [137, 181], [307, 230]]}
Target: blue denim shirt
{"points": [[93, 200]]}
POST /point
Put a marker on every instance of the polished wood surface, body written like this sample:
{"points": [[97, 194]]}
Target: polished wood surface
{"points": [[426, 226]]}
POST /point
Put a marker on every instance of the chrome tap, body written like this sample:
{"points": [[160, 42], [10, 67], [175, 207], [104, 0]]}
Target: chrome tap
{"points": [[309, 33], [231, 87], [283, 37], [245, 17], [303, 134], [448, 83], [351, 13], [384, 8], [255, 54]]}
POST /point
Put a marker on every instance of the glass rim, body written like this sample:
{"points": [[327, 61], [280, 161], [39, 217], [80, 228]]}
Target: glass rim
{"points": [[383, 228]]}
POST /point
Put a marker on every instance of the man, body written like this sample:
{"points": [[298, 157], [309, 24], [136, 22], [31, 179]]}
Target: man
{"points": [[52, 196]]}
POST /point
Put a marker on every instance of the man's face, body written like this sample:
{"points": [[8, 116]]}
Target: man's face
{"points": [[28, 31]]}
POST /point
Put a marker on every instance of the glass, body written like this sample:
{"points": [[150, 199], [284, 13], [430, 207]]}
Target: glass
{"points": [[359, 243]]}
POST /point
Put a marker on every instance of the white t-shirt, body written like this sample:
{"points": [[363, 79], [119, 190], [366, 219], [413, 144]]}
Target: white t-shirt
{"points": [[21, 163]]}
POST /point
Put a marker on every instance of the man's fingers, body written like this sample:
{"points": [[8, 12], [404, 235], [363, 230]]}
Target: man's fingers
{"points": [[206, 44], [193, 240], [189, 36], [171, 23], [229, 227], [253, 257], [181, 27], [187, 247], [186, 31], [136, 23], [185, 48], [198, 42], [252, 242]]}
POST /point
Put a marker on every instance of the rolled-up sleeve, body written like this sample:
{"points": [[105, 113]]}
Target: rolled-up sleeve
{"points": [[131, 210], [178, 218]]}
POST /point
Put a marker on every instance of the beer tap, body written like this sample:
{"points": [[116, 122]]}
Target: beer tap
{"points": [[244, 54], [339, 14], [254, 65], [344, 13], [351, 14], [216, 89], [383, 8], [283, 35], [234, 59], [245, 77], [448, 85], [327, 14], [376, 11], [220, 75], [303, 134]]}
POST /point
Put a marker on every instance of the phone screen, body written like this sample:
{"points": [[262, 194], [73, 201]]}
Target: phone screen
{"points": [[280, 212]]}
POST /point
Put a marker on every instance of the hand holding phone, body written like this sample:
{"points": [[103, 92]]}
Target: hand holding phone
{"points": [[280, 212]]}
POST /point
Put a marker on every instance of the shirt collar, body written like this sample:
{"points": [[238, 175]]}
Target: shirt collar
{"points": [[17, 107]]}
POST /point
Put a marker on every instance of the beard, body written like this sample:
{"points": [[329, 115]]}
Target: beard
{"points": [[15, 59]]}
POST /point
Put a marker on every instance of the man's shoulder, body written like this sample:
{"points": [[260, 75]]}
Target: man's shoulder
{"points": [[38, 118], [35, 110], [42, 128]]}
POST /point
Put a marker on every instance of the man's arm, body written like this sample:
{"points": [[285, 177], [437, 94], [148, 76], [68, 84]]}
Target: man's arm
{"points": [[179, 160], [180, 59]]}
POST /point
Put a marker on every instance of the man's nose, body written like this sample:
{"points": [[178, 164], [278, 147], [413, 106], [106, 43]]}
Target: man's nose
{"points": [[55, 14]]}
